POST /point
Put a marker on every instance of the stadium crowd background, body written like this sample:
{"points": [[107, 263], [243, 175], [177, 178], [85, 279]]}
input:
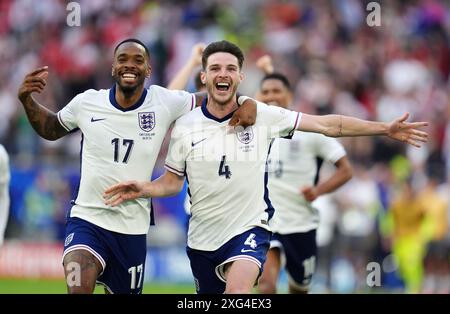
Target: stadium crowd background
{"points": [[336, 63]]}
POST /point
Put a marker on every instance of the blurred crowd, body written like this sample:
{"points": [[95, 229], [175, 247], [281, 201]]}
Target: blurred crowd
{"points": [[395, 211]]}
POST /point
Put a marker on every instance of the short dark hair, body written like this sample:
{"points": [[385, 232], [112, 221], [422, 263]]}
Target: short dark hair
{"points": [[277, 76], [133, 40], [222, 46]]}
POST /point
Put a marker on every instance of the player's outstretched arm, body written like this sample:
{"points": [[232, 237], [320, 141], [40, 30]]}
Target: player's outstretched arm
{"points": [[339, 126], [167, 185], [44, 121]]}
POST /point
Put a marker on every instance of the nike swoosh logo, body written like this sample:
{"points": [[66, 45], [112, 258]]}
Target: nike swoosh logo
{"points": [[244, 251], [193, 144], [95, 120]]}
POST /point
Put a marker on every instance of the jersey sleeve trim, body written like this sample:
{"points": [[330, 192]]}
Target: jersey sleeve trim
{"points": [[193, 102], [296, 125], [174, 170], [297, 121], [58, 115]]}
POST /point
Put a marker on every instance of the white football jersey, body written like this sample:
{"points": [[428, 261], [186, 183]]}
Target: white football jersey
{"points": [[120, 144], [4, 191], [292, 166], [226, 171]]}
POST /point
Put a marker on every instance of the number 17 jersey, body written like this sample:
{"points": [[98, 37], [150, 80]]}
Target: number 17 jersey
{"points": [[119, 144]]}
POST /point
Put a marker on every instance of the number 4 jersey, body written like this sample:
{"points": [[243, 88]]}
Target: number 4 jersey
{"points": [[226, 171], [119, 144]]}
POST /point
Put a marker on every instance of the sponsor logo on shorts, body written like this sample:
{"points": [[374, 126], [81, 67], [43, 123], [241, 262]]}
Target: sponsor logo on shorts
{"points": [[69, 239], [245, 251]]}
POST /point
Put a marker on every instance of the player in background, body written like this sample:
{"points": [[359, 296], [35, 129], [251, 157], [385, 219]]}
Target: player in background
{"points": [[229, 232], [293, 169], [436, 260], [409, 218], [418, 221], [122, 131], [4, 191]]}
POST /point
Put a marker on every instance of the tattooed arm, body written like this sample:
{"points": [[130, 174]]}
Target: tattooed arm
{"points": [[339, 125], [44, 121]]}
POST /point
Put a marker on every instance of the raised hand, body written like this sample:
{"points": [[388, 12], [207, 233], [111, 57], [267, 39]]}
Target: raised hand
{"points": [[122, 192], [44, 121], [407, 132], [33, 82], [196, 54], [265, 64]]}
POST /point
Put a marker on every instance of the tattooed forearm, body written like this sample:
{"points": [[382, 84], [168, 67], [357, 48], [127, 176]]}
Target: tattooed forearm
{"points": [[44, 121]]}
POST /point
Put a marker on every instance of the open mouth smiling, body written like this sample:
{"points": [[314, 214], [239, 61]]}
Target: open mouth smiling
{"points": [[223, 86]]}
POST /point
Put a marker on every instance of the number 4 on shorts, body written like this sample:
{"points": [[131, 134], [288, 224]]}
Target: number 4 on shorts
{"points": [[251, 241]]}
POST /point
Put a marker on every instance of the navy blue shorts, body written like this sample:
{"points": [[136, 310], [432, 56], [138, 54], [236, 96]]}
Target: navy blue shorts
{"points": [[122, 255], [208, 267], [300, 252]]}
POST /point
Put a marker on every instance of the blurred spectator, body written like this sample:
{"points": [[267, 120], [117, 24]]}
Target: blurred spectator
{"points": [[437, 264], [358, 201], [409, 235]]}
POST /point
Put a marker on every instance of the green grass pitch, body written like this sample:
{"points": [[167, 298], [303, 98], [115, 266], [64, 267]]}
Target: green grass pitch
{"points": [[40, 286]]}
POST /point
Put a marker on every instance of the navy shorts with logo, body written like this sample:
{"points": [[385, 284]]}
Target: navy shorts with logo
{"points": [[122, 255], [300, 252], [208, 267]]}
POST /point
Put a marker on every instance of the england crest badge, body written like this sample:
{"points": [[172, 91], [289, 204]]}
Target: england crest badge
{"points": [[245, 136], [147, 121]]}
